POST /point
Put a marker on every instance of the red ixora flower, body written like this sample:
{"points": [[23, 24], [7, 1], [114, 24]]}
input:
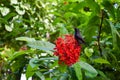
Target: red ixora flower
{"points": [[67, 49]]}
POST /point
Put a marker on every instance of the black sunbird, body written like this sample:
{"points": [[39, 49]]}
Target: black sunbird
{"points": [[78, 36]]}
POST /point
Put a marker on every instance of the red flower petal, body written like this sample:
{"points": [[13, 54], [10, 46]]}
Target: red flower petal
{"points": [[67, 49]]}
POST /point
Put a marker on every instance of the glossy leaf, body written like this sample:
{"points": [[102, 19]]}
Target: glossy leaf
{"points": [[30, 71], [41, 45], [89, 70], [110, 8], [114, 35], [78, 71], [64, 76], [27, 39], [101, 61], [17, 54], [63, 30], [88, 52], [40, 75]]}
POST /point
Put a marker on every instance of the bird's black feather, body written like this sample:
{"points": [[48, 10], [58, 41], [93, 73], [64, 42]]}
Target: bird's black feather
{"points": [[78, 36]]}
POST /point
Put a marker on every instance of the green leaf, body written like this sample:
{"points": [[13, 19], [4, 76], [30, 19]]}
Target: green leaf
{"points": [[91, 27], [30, 71], [118, 13], [18, 64], [109, 7], [7, 53], [10, 15], [114, 32], [63, 30], [94, 6], [74, 0], [88, 74], [102, 74], [78, 72], [33, 68], [33, 63], [58, 18], [41, 45], [64, 76], [27, 39], [117, 26], [17, 54], [2, 20], [102, 61], [88, 52], [48, 58], [89, 70], [70, 14], [72, 73], [40, 75], [62, 67]]}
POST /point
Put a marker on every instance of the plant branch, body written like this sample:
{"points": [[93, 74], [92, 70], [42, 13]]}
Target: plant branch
{"points": [[99, 32]]}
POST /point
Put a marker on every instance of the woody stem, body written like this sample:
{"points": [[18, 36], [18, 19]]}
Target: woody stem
{"points": [[99, 32]]}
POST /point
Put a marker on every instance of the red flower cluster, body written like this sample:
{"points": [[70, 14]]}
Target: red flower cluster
{"points": [[67, 49]]}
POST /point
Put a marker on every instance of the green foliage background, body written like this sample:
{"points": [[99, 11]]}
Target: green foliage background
{"points": [[28, 29]]}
